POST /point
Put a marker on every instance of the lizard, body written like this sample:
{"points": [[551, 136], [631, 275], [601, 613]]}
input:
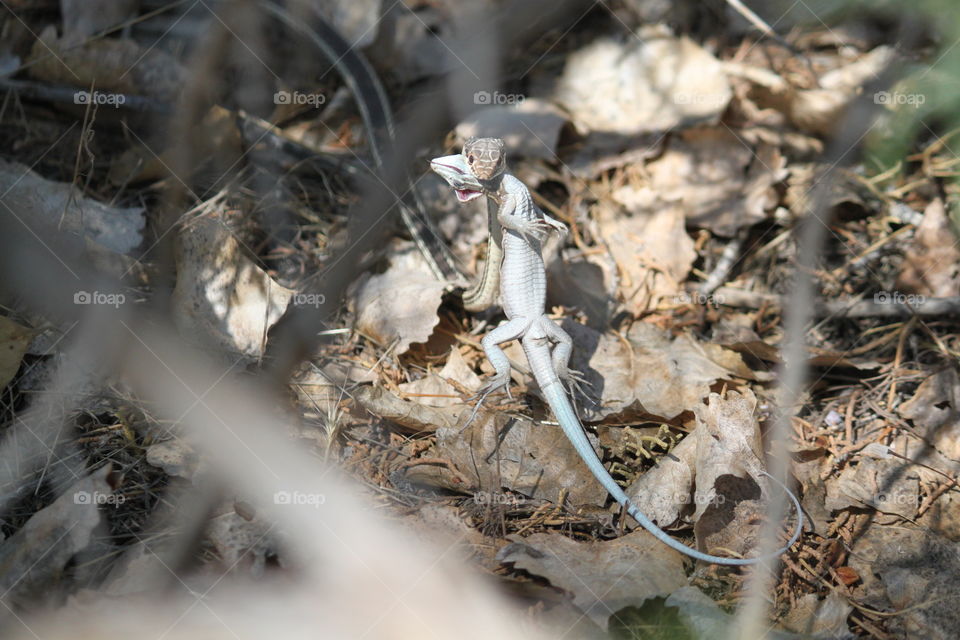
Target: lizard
{"points": [[480, 169]]}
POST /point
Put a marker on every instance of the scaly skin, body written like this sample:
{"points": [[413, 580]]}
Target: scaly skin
{"points": [[523, 288]]}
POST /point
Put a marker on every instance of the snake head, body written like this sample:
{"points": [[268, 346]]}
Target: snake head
{"points": [[456, 172]]}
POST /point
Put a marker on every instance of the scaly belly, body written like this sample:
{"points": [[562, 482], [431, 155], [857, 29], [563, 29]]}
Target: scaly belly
{"points": [[523, 282]]}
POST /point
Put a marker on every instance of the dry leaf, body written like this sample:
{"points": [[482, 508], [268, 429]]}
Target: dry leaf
{"points": [[60, 206], [653, 253], [655, 84], [820, 110], [932, 264], [664, 493], [14, 340], [603, 577], [434, 389], [826, 618], [109, 64], [935, 412], [499, 451], [401, 303], [721, 183], [913, 572], [39, 551], [175, 457], [241, 544], [83, 18], [648, 373], [222, 297]]}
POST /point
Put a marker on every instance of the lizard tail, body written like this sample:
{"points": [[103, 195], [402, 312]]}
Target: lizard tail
{"points": [[557, 399]]}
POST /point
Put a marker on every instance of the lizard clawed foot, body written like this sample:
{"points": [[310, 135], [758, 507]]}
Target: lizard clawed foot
{"points": [[491, 385], [558, 226], [574, 381]]}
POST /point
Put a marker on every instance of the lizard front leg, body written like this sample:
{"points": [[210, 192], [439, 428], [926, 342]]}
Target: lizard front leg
{"points": [[530, 228]]}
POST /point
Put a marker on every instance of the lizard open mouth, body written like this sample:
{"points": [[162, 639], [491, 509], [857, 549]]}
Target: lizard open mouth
{"points": [[466, 195]]}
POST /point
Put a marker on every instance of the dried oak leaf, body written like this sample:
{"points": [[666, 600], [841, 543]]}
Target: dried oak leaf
{"points": [[604, 576], [720, 182], [826, 618], [655, 83], [110, 64], [37, 554], [648, 373], [59, 206], [222, 298], [935, 412], [14, 341], [932, 264], [653, 253], [401, 303], [913, 572], [435, 390]]}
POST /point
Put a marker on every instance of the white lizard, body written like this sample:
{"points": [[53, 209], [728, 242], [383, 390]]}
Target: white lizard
{"points": [[480, 169]]}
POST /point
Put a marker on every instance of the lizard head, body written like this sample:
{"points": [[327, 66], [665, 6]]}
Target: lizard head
{"points": [[485, 157], [455, 170]]}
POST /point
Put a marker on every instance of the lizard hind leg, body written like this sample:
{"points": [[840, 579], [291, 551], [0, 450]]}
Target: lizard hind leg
{"points": [[573, 379], [509, 330]]}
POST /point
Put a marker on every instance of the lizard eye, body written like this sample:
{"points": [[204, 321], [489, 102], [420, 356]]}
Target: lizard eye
{"points": [[470, 159]]}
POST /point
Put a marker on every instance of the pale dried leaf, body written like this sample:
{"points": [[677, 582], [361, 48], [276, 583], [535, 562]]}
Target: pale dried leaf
{"points": [[819, 110], [605, 576], [399, 305], [648, 373], [176, 457], [14, 340], [40, 550], [826, 618], [911, 571], [935, 412], [664, 492], [222, 297], [241, 544], [932, 264], [434, 389], [722, 184], [83, 18], [60, 206], [889, 486], [499, 451], [109, 64], [653, 253], [655, 84]]}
